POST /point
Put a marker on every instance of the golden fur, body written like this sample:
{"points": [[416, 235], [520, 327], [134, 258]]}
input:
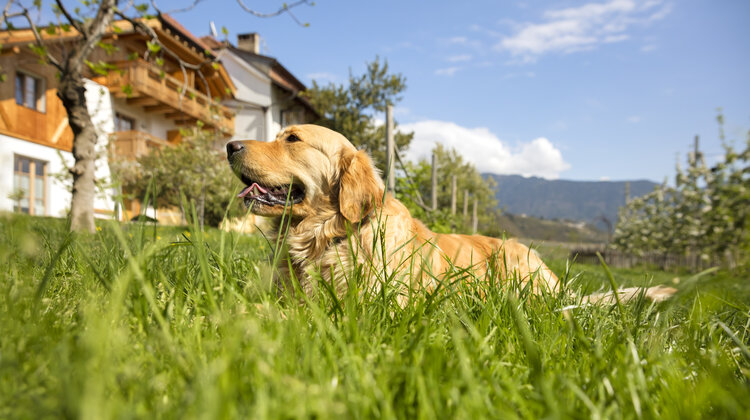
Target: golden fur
{"points": [[346, 219], [344, 194]]}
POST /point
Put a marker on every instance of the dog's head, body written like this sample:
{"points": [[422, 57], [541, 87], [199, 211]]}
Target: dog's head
{"points": [[305, 170]]}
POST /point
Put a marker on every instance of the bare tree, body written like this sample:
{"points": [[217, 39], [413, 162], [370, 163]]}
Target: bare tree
{"points": [[90, 24]]}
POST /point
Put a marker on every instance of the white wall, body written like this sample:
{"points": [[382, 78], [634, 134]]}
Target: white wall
{"points": [[58, 196], [154, 123], [249, 124], [100, 107], [253, 87], [252, 100]]}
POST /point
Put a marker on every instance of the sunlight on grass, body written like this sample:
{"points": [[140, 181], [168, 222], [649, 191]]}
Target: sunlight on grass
{"points": [[172, 322]]}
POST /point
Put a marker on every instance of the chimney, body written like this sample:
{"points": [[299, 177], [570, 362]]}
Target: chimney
{"points": [[249, 42]]}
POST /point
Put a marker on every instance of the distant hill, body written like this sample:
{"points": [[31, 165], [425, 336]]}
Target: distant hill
{"points": [[532, 228], [560, 199]]}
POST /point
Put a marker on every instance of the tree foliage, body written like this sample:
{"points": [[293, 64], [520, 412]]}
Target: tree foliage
{"points": [[415, 186], [350, 109], [706, 213], [194, 170]]}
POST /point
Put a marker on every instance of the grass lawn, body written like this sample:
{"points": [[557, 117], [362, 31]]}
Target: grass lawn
{"points": [[175, 323]]}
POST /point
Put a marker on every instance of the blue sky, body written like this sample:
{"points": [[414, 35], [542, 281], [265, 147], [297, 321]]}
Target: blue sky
{"points": [[605, 89]]}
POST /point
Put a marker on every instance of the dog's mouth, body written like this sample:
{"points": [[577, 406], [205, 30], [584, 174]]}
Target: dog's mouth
{"points": [[270, 195]]}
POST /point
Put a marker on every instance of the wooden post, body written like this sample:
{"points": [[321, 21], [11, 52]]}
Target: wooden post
{"points": [[627, 192], [475, 221], [466, 204], [434, 181], [453, 195], [390, 148], [698, 154]]}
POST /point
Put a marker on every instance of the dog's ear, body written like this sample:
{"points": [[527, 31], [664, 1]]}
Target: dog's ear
{"points": [[360, 187]]}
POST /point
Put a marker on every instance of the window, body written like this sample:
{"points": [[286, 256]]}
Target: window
{"points": [[30, 181], [123, 123], [30, 91]]}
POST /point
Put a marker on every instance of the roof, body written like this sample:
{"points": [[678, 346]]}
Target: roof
{"points": [[180, 30], [279, 74]]}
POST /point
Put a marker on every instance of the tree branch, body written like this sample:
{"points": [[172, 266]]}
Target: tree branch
{"points": [[38, 38], [94, 29], [286, 8], [184, 9], [76, 24]]}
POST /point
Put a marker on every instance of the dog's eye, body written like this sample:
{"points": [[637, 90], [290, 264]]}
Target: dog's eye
{"points": [[292, 139]]}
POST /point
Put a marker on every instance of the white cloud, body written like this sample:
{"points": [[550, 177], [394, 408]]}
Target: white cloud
{"points": [[457, 40], [485, 150], [634, 119], [581, 28], [448, 71], [458, 58]]}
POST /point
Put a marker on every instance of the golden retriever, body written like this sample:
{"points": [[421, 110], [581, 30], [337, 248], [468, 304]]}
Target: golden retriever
{"points": [[328, 202]]}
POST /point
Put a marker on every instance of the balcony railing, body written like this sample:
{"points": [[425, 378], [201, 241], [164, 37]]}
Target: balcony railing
{"points": [[138, 79], [133, 144]]}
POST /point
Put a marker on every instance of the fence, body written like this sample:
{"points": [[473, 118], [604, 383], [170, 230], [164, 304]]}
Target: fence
{"points": [[663, 261]]}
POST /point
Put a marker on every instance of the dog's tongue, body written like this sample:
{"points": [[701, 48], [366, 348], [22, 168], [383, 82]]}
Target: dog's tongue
{"points": [[247, 190]]}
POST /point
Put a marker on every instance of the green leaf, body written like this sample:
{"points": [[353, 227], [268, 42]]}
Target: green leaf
{"points": [[108, 48], [39, 50], [128, 89], [153, 46]]}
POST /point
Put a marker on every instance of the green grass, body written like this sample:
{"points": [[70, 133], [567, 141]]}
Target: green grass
{"points": [[138, 322]]}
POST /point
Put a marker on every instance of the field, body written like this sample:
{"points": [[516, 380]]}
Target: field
{"points": [[140, 322]]}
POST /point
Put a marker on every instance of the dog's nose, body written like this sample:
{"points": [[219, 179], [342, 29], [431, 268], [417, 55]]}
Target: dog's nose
{"points": [[234, 147]]}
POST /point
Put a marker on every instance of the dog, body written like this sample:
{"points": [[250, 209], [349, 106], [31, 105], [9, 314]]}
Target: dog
{"points": [[327, 202]]}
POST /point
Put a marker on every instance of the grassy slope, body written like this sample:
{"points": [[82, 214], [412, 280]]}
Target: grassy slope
{"points": [[128, 324]]}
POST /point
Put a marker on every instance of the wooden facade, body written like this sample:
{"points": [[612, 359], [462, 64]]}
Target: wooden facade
{"points": [[159, 85], [47, 124]]}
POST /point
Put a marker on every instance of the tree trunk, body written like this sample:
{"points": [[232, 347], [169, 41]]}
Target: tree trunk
{"points": [[72, 92]]}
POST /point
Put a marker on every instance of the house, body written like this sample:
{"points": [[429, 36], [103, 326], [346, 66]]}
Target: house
{"points": [[139, 105], [268, 94]]}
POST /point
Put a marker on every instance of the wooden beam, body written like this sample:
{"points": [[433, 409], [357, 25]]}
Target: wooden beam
{"points": [[6, 119], [143, 101], [158, 109], [176, 115], [59, 130], [187, 121]]}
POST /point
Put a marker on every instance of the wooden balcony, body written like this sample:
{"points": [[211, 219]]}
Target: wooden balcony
{"points": [[133, 144], [147, 86]]}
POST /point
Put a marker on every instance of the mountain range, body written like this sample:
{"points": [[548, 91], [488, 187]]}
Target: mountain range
{"points": [[586, 201]]}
